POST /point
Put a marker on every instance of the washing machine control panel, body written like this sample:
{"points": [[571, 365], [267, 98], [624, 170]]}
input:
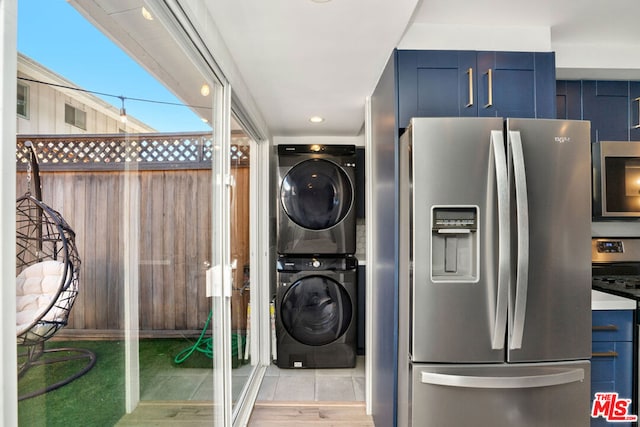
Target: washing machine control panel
{"points": [[316, 263]]}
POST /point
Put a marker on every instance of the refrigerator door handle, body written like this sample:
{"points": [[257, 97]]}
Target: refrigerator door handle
{"points": [[527, 381], [502, 190], [522, 267]]}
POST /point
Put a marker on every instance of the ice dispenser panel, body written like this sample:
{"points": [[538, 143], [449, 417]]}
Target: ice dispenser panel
{"points": [[454, 244]]}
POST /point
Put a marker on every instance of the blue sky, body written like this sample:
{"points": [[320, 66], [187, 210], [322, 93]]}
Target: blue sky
{"points": [[54, 34]]}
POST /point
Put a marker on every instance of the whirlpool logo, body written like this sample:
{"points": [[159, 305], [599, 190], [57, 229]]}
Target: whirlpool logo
{"points": [[562, 139]]}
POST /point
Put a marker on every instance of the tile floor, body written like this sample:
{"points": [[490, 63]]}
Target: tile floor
{"points": [[314, 384], [178, 384], [278, 384], [188, 384]]}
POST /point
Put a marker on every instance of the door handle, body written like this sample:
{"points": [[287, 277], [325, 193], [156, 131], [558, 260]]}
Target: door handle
{"points": [[470, 74], [502, 190], [489, 74], [638, 125], [219, 281], [600, 328], [605, 354], [527, 381], [522, 266]]}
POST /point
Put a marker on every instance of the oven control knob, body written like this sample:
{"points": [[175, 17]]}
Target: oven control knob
{"points": [[315, 263]]}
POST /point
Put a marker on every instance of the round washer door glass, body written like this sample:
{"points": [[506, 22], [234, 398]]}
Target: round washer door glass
{"points": [[316, 310], [316, 194]]}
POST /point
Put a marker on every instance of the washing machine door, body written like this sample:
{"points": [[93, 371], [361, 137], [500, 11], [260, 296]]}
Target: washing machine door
{"points": [[316, 194], [316, 310]]}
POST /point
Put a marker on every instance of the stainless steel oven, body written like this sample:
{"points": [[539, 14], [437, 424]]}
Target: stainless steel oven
{"points": [[616, 179]]}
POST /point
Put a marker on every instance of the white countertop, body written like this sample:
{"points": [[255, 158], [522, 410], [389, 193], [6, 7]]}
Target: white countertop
{"points": [[605, 301]]}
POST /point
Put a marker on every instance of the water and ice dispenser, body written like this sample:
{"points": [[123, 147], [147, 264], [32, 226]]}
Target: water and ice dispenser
{"points": [[454, 244]]}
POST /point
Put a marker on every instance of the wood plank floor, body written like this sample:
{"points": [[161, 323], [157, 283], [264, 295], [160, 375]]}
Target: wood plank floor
{"points": [[285, 414], [158, 413], [265, 414]]}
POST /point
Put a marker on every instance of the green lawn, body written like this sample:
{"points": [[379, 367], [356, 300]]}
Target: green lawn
{"points": [[97, 398]]}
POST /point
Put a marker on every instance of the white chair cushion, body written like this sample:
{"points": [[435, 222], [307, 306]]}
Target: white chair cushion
{"points": [[36, 286]]}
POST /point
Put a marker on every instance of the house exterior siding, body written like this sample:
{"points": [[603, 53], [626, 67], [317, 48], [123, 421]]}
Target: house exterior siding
{"points": [[46, 106]]}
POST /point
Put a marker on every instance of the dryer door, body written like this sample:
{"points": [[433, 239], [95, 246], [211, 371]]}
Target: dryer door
{"points": [[316, 310], [316, 194]]}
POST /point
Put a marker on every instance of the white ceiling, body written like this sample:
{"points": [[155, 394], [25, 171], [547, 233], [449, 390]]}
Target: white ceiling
{"points": [[300, 58]]}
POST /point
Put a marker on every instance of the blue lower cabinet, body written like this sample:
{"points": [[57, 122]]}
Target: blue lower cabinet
{"points": [[612, 361]]}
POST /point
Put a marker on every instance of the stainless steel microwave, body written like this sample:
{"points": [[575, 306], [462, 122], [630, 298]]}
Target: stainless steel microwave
{"points": [[616, 179]]}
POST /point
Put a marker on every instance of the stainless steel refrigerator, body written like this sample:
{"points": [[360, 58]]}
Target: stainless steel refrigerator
{"points": [[495, 272]]}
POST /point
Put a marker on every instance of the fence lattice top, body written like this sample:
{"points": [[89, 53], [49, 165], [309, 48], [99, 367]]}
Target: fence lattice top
{"points": [[114, 151]]}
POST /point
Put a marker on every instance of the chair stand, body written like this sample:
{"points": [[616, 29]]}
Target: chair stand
{"points": [[37, 356]]}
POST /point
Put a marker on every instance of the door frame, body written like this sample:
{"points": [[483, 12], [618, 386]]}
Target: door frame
{"points": [[261, 217], [182, 22], [185, 23], [9, 359]]}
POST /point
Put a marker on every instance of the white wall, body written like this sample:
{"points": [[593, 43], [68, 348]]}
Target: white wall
{"points": [[471, 37], [597, 61]]}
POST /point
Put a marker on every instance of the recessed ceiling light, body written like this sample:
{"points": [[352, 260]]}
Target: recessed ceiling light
{"points": [[316, 119], [147, 15], [321, 1], [205, 90]]}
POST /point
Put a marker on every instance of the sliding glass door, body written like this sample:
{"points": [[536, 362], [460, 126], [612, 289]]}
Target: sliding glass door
{"points": [[155, 182]]}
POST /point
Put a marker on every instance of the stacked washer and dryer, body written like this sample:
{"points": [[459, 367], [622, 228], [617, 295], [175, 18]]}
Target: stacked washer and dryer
{"points": [[316, 300]]}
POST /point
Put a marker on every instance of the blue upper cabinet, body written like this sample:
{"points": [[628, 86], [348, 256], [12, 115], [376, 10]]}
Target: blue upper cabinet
{"points": [[569, 99], [436, 84], [469, 83], [606, 105], [516, 84], [634, 111], [612, 107]]}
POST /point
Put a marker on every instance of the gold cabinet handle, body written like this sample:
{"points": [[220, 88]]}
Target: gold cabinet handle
{"points": [[605, 354], [470, 74], [489, 74], [604, 328], [638, 125]]}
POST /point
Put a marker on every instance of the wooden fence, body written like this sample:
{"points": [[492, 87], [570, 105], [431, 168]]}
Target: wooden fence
{"points": [[84, 179]]}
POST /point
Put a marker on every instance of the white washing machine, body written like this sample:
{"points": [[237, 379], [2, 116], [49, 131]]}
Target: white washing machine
{"points": [[316, 208]]}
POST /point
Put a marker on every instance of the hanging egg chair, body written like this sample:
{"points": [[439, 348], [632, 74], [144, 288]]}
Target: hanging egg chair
{"points": [[47, 279], [47, 266]]}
